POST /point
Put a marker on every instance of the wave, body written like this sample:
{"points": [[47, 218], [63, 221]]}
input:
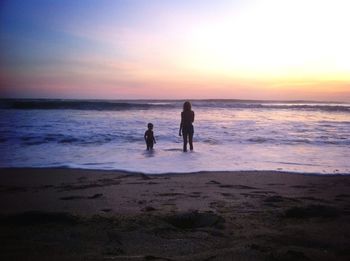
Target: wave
{"points": [[80, 105], [328, 108], [102, 139], [96, 139], [111, 105], [309, 106]]}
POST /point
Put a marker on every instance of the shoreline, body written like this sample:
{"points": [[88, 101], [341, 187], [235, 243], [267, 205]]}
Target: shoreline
{"points": [[77, 214], [229, 172]]}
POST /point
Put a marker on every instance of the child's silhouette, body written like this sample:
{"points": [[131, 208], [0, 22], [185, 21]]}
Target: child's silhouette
{"points": [[149, 137]]}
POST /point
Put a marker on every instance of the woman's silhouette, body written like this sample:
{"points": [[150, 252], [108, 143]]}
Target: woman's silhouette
{"points": [[186, 126]]}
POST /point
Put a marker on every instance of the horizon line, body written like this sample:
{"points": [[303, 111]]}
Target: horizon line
{"points": [[178, 99]]}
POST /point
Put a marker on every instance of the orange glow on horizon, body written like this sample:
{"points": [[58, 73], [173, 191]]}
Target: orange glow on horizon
{"points": [[268, 49]]}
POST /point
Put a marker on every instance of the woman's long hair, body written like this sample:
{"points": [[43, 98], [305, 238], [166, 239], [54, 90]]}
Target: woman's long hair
{"points": [[187, 106]]}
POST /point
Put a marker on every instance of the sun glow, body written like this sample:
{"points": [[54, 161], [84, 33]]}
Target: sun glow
{"points": [[285, 40], [249, 49]]}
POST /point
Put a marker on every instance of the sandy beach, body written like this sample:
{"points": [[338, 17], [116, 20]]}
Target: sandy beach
{"points": [[71, 214]]}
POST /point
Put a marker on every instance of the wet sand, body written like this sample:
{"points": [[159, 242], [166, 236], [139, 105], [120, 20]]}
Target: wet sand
{"points": [[69, 214]]}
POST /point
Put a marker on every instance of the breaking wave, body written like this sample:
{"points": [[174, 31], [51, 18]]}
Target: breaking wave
{"points": [[112, 105]]}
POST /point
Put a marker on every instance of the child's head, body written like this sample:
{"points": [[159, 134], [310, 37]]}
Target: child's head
{"points": [[150, 126]]}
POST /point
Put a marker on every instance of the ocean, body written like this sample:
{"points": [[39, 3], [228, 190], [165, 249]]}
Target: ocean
{"points": [[230, 135]]}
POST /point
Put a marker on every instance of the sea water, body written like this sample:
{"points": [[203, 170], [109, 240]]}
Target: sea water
{"points": [[304, 137]]}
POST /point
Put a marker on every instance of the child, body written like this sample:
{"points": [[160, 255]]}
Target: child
{"points": [[149, 137]]}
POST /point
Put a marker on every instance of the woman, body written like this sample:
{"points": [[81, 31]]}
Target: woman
{"points": [[186, 127]]}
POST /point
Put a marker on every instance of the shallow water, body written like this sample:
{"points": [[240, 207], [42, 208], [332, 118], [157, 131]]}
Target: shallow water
{"points": [[229, 135]]}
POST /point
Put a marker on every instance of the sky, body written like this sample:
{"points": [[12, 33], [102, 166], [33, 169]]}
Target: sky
{"points": [[184, 49]]}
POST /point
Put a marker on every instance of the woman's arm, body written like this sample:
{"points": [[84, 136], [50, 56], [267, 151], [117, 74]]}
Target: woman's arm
{"points": [[181, 124]]}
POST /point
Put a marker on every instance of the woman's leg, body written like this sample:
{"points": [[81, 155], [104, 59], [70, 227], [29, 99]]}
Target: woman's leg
{"points": [[190, 140], [184, 135]]}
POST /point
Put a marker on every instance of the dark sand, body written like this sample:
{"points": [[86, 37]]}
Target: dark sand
{"points": [[65, 214]]}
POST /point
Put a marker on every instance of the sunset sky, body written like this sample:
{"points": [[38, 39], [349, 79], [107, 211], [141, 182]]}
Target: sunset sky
{"points": [[238, 49]]}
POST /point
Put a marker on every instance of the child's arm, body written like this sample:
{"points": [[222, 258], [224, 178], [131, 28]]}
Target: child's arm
{"points": [[145, 136]]}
